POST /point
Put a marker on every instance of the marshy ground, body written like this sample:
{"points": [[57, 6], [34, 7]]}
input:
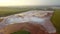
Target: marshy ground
{"points": [[9, 11]]}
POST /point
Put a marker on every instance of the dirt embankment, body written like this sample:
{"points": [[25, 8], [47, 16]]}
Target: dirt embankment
{"points": [[32, 28]]}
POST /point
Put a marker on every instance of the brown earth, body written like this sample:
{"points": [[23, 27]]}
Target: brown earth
{"points": [[32, 28], [1, 20]]}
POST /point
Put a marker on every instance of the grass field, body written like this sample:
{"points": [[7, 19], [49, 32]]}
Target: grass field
{"points": [[10, 11], [55, 18]]}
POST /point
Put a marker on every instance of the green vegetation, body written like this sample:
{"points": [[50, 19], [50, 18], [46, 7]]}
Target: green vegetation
{"points": [[9, 11], [56, 20], [21, 32]]}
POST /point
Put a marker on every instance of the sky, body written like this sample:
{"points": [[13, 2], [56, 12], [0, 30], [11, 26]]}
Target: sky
{"points": [[28, 2]]}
